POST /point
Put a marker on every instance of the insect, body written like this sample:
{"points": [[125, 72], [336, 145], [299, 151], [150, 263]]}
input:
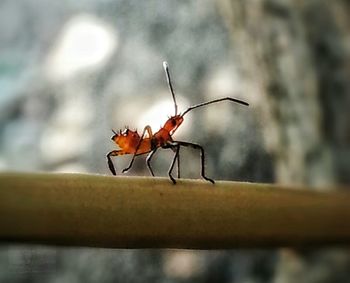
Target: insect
{"points": [[130, 142]]}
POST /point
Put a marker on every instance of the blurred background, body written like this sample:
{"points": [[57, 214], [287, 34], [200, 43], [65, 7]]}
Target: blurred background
{"points": [[70, 71]]}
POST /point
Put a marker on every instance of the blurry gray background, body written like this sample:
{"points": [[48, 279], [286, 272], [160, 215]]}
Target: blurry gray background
{"points": [[72, 71]]}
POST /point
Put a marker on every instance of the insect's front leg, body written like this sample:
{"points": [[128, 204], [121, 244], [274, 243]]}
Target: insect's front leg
{"points": [[176, 149], [149, 132], [177, 154], [109, 159], [201, 149], [178, 164]]}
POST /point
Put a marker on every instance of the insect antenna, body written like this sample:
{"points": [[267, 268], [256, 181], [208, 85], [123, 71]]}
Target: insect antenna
{"points": [[166, 69], [215, 101], [114, 132]]}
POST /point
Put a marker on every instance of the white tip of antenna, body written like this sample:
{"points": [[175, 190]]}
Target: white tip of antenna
{"points": [[165, 65]]}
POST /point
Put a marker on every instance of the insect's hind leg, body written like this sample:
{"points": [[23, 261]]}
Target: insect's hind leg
{"points": [[109, 159], [197, 146]]}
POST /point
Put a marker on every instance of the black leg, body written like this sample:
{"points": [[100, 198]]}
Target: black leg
{"points": [[178, 164], [109, 159], [173, 148], [131, 162], [148, 160], [176, 147], [197, 146]]}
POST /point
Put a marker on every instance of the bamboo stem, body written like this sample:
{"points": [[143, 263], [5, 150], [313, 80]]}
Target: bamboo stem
{"points": [[129, 212]]}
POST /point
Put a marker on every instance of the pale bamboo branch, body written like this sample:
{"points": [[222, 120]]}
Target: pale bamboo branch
{"points": [[129, 212]]}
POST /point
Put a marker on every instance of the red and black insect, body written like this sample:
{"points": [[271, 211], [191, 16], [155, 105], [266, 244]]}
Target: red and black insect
{"points": [[130, 142]]}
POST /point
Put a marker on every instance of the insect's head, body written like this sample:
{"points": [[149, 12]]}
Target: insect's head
{"points": [[173, 123], [126, 138]]}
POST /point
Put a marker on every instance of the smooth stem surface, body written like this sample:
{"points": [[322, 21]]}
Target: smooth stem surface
{"points": [[129, 212]]}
